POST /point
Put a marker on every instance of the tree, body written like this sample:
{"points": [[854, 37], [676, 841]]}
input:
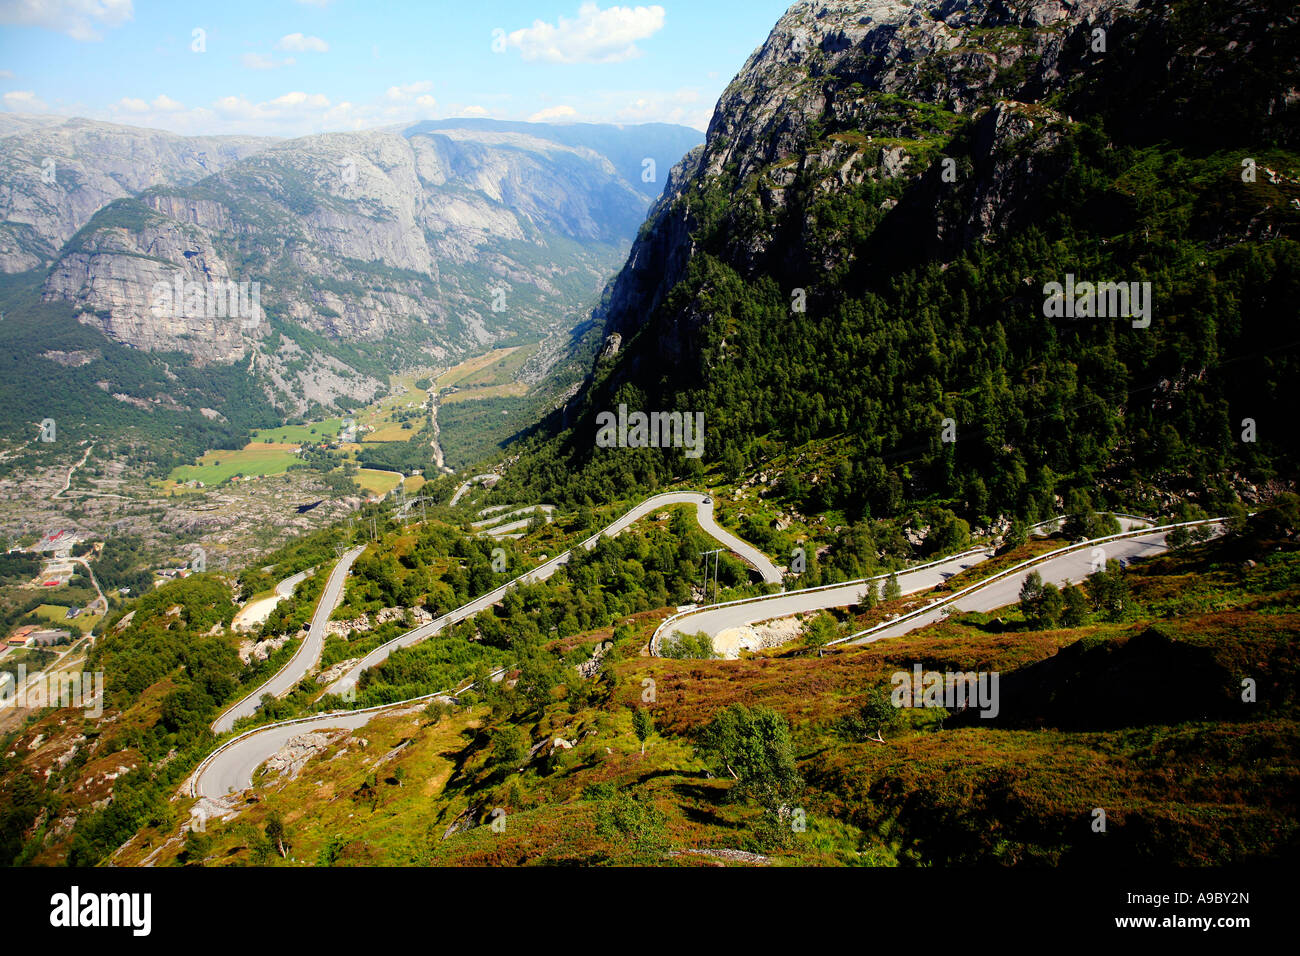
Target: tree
{"points": [[509, 748], [275, 832], [1075, 611], [683, 646], [643, 725], [869, 597], [1108, 591], [1177, 538], [625, 818], [893, 590], [878, 712], [755, 749], [1016, 535], [819, 632], [197, 846], [1080, 514], [1040, 603]]}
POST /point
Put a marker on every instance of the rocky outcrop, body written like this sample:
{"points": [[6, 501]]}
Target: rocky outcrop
{"points": [[844, 91], [57, 173], [453, 237], [293, 756]]}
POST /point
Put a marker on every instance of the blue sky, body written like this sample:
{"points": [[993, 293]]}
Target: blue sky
{"points": [[294, 67]]}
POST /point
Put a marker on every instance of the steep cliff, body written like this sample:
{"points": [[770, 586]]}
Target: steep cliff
{"points": [[448, 239], [56, 173], [860, 252]]}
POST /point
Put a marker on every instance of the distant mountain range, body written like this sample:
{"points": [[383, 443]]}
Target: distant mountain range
{"points": [[365, 250]]}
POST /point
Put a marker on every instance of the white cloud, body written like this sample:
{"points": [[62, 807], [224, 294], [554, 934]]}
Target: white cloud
{"points": [[553, 113], [6, 74], [78, 19], [473, 111], [132, 104], [297, 43], [409, 90], [595, 36], [260, 61], [294, 107], [165, 104], [24, 100]]}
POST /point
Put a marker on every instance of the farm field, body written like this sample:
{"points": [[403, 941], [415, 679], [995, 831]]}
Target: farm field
{"points": [[253, 459], [57, 616], [378, 482], [299, 434], [499, 367], [393, 431], [509, 390]]}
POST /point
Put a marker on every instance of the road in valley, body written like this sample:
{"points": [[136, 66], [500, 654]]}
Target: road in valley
{"points": [[254, 614], [703, 513], [715, 620], [231, 767]]}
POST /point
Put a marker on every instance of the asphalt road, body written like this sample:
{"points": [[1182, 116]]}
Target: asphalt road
{"points": [[460, 492], [703, 513], [232, 768], [715, 621], [498, 518], [308, 652], [1064, 569]]}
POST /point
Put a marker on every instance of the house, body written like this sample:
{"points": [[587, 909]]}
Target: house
{"points": [[21, 636]]}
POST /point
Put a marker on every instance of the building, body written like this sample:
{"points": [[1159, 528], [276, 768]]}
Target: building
{"points": [[49, 637], [22, 636]]}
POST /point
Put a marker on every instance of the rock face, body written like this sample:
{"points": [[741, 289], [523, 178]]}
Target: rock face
{"points": [[844, 91], [293, 756], [57, 173], [345, 252], [442, 237]]}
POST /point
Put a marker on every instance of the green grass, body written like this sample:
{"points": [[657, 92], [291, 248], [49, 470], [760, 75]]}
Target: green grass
{"points": [[378, 482], [218, 466], [299, 434]]}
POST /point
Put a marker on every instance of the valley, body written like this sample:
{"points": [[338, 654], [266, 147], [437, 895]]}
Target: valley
{"points": [[621, 493]]}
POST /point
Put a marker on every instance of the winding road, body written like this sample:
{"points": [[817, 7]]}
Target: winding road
{"points": [[1004, 589], [715, 619], [703, 514], [308, 653], [231, 766]]}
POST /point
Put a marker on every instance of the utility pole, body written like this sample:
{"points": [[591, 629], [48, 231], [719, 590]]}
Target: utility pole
{"points": [[705, 556]]}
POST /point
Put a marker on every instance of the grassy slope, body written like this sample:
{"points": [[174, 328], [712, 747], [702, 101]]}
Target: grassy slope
{"points": [[1190, 791]]}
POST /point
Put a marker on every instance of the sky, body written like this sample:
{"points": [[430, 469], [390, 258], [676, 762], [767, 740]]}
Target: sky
{"points": [[296, 67]]}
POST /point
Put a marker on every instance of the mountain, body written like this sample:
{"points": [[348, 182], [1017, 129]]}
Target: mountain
{"points": [[862, 256], [355, 253], [59, 172], [627, 147]]}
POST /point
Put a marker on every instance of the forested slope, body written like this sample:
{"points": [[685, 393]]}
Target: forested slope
{"points": [[862, 248]]}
